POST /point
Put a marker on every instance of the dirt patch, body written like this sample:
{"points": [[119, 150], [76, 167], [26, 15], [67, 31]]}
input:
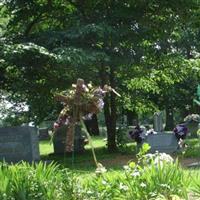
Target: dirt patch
{"points": [[121, 160]]}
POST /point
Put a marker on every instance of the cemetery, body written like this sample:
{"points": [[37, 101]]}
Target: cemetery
{"points": [[99, 100]]}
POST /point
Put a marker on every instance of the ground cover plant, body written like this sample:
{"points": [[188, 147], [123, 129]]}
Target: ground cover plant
{"points": [[146, 176], [30, 182]]}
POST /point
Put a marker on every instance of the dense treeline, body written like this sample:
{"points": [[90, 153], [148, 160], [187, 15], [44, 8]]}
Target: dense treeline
{"points": [[146, 50]]}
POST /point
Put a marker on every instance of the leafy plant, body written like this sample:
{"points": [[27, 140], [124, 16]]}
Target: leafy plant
{"points": [[40, 181], [142, 180], [196, 186]]}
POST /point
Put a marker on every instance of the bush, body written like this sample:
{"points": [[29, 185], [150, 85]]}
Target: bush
{"points": [[35, 182]]}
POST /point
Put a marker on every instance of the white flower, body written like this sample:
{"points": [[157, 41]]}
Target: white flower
{"points": [[143, 185], [104, 182], [126, 167], [100, 169], [123, 187], [135, 174]]}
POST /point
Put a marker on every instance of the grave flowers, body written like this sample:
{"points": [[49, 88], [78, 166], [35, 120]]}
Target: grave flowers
{"points": [[80, 102], [137, 134], [192, 121], [192, 117], [180, 131]]}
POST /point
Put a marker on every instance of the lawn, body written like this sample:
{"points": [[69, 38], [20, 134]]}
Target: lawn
{"points": [[83, 162]]}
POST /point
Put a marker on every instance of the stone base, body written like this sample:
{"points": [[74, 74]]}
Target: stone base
{"points": [[162, 142]]}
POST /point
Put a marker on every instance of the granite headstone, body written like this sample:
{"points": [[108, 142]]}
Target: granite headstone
{"points": [[162, 142], [59, 140], [158, 122], [44, 134], [19, 143]]}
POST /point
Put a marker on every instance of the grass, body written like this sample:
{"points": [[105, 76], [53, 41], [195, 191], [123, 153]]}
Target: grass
{"points": [[83, 162], [193, 149]]}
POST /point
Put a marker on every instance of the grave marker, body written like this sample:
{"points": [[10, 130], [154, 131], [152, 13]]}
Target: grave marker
{"points": [[19, 143], [158, 122]]}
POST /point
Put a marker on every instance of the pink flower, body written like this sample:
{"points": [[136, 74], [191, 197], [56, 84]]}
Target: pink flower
{"points": [[56, 125]]}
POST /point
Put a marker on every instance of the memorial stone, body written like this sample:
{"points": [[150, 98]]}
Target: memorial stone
{"points": [[162, 142], [59, 140], [44, 134], [19, 143], [158, 122]]}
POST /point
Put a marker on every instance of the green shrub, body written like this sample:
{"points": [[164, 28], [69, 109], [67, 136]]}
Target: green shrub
{"points": [[35, 182]]}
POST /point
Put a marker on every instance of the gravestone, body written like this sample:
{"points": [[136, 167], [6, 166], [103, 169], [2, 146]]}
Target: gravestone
{"points": [[44, 134], [59, 140], [19, 143], [158, 122], [162, 142]]}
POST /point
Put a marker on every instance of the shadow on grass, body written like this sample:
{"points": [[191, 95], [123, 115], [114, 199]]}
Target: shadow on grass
{"points": [[83, 162]]}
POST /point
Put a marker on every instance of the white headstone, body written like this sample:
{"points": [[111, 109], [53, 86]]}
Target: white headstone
{"points": [[158, 122]]}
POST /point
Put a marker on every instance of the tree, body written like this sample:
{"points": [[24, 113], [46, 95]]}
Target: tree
{"points": [[118, 43]]}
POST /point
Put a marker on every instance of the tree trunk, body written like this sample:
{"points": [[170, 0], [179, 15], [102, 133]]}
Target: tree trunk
{"points": [[169, 119], [110, 112]]}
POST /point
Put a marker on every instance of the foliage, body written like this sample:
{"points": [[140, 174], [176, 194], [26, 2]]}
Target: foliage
{"points": [[121, 138], [40, 181], [139, 181], [144, 48], [196, 186]]}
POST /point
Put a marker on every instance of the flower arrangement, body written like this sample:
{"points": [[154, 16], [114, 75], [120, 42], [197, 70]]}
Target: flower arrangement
{"points": [[80, 102], [180, 131], [192, 117], [137, 134]]}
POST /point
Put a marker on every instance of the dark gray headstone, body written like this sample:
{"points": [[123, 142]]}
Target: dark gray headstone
{"points": [[163, 142], [19, 143], [44, 134], [59, 140]]}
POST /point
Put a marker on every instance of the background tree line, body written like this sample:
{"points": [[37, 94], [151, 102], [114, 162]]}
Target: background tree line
{"points": [[147, 50]]}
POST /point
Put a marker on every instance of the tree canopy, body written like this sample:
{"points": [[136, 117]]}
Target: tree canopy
{"points": [[147, 50]]}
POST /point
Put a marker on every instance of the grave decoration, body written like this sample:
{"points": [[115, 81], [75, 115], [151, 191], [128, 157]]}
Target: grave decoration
{"points": [[137, 134], [80, 102], [157, 138], [180, 131], [192, 122]]}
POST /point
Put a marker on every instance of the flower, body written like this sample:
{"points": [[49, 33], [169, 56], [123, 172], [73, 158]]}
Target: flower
{"points": [[135, 174], [143, 185], [192, 117], [56, 125], [157, 158], [180, 131], [123, 187], [100, 169]]}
